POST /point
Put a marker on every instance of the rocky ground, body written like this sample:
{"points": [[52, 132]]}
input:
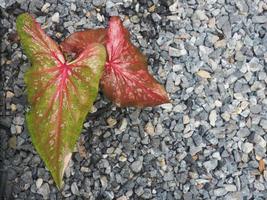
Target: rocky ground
{"points": [[209, 143]]}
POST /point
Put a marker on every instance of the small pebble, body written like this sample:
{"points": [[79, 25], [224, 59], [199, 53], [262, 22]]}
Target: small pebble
{"points": [[55, 17], [74, 189], [247, 147], [111, 122], [136, 166], [39, 183], [213, 117], [149, 129]]}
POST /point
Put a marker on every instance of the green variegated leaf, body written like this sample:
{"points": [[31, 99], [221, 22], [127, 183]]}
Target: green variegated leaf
{"points": [[60, 93]]}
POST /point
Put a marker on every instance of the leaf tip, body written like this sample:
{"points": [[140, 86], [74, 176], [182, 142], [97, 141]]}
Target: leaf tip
{"points": [[59, 183], [166, 98], [114, 19]]}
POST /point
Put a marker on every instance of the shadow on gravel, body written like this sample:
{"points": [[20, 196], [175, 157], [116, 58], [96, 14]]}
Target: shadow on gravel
{"points": [[5, 188]]}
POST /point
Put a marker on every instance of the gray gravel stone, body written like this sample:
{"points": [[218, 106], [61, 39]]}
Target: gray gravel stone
{"points": [[260, 151], [55, 17], [220, 192], [263, 124], [6, 3], [247, 147], [242, 6], [73, 7], [44, 191], [210, 165], [147, 194], [259, 19], [230, 187], [98, 3], [109, 195], [18, 120], [200, 14], [177, 52], [259, 186], [259, 140], [213, 117], [136, 166], [242, 133], [256, 109], [39, 183], [139, 191], [74, 189]]}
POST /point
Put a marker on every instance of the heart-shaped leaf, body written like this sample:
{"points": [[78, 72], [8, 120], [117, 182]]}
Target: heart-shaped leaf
{"points": [[78, 41], [60, 93], [126, 80]]}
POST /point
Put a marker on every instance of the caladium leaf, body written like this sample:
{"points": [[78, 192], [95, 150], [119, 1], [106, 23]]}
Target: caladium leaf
{"points": [[126, 80], [60, 93], [78, 41]]}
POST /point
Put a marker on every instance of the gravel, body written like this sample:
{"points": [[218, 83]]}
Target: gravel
{"points": [[44, 191], [247, 147], [136, 166], [39, 183], [74, 188], [55, 17], [208, 143]]}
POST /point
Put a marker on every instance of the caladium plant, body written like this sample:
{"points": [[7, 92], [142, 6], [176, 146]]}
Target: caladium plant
{"points": [[126, 80], [60, 93]]}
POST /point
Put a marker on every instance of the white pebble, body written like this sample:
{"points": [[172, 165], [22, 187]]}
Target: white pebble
{"points": [[55, 17], [213, 117]]}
